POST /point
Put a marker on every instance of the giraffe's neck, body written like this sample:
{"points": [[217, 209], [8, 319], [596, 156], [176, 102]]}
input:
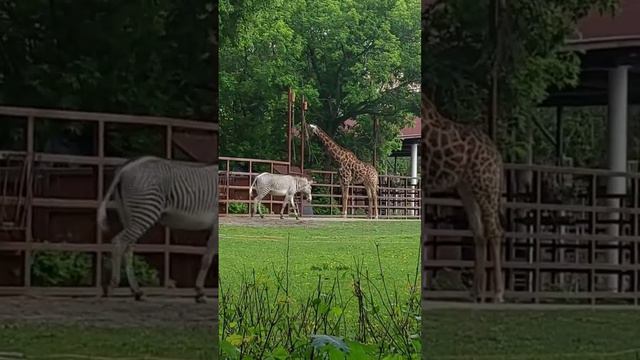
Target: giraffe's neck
{"points": [[337, 152], [430, 115]]}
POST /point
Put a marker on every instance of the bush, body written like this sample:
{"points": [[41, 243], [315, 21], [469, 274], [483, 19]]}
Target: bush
{"points": [[61, 268], [146, 274], [243, 208], [66, 268]]}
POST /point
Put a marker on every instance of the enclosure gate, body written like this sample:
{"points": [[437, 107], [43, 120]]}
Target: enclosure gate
{"points": [[397, 197], [567, 239], [48, 201]]}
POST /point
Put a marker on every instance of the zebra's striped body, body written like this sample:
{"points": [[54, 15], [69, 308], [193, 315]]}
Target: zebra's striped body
{"points": [[152, 190], [279, 185]]}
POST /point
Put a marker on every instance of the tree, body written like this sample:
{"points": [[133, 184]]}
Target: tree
{"points": [[350, 59], [137, 57], [456, 59]]}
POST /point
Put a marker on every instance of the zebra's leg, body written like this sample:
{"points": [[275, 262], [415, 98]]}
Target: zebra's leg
{"points": [[131, 277], [119, 246], [285, 202], [140, 221], [294, 207], [205, 263], [256, 203]]}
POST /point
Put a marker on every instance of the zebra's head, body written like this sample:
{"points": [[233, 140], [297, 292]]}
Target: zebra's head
{"points": [[304, 186]]}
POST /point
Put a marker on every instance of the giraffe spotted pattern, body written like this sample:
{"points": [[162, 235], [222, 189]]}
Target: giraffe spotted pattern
{"points": [[461, 157], [352, 171]]}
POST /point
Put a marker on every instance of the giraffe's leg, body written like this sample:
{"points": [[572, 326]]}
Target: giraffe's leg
{"points": [[131, 277], [345, 200], [474, 216], [494, 233], [370, 200], [205, 263], [375, 201]]}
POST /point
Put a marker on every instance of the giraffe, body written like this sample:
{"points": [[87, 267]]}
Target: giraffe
{"points": [[463, 158], [352, 171]]}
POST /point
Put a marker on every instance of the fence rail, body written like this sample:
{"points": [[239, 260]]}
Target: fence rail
{"points": [[48, 201], [569, 238], [399, 196]]}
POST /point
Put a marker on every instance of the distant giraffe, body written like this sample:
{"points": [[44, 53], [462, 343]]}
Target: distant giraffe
{"points": [[352, 171], [461, 157]]}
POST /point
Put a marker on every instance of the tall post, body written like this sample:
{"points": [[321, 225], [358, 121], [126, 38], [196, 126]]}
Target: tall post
{"points": [[559, 137], [414, 173], [289, 124], [303, 127], [375, 140], [303, 109], [494, 12], [617, 156]]}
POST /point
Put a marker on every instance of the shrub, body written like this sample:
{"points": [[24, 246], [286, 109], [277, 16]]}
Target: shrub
{"points": [[67, 268], [243, 208], [61, 268]]}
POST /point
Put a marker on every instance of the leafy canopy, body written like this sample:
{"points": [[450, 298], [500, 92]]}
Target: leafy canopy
{"points": [[457, 57], [350, 59]]}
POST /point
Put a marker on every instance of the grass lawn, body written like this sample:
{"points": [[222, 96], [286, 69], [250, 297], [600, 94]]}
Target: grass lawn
{"points": [[321, 248], [61, 341], [532, 334]]}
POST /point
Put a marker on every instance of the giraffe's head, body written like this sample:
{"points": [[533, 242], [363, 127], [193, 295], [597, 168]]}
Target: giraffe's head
{"points": [[314, 128]]}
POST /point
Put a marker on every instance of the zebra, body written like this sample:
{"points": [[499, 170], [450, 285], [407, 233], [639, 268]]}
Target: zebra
{"points": [[153, 190], [280, 185]]}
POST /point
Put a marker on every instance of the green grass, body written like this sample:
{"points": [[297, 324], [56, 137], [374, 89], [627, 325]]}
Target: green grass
{"points": [[320, 249], [532, 334], [45, 341], [324, 249]]}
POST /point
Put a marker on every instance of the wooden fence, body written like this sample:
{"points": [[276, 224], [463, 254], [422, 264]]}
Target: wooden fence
{"points": [[48, 200], [398, 196], [568, 239]]}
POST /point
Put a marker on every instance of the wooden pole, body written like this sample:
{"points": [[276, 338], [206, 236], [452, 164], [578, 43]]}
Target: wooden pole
{"points": [[289, 124], [303, 125], [375, 141], [494, 12]]}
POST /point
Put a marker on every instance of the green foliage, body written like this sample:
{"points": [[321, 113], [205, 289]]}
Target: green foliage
{"points": [[66, 268], [261, 319], [457, 60], [243, 208], [136, 57], [61, 268], [146, 274], [350, 59]]}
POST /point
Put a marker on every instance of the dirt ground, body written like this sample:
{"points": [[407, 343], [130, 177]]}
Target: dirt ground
{"points": [[274, 220], [112, 312]]}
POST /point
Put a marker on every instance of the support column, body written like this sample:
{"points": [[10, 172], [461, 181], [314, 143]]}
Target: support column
{"points": [[414, 173], [617, 155]]}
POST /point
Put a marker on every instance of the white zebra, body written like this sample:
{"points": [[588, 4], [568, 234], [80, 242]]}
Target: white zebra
{"points": [[279, 185]]}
